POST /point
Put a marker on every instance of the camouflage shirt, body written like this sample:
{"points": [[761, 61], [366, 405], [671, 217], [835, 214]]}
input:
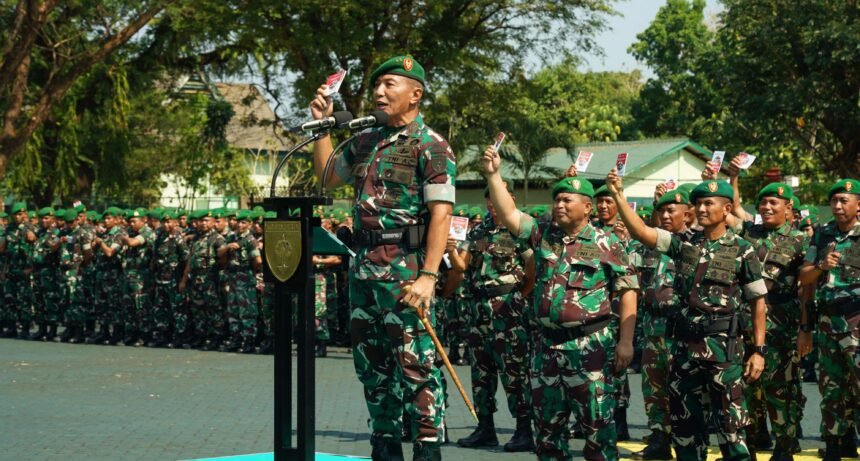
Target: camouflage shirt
{"points": [[138, 258], [715, 278], [240, 260], [659, 299], [781, 252], [496, 259], [841, 283], [169, 253], [71, 253], [44, 255], [18, 249], [204, 253], [396, 173], [575, 275], [113, 240]]}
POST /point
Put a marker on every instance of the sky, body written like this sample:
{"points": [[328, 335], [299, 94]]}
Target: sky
{"points": [[635, 16]]}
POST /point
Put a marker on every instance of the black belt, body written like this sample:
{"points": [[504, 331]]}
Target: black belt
{"points": [[496, 290], [411, 236], [779, 298], [681, 328], [842, 307], [563, 335]]}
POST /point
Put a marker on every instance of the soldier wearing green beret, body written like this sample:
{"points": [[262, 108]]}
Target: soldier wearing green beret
{"points": [[718, 272], [71, 253], [833, 267], [83, 234], [136, 256], [18, 244], [499, 278], [221, 224], [46, 295], [201, 278], [580, 270], [243, 263], [169, 256], [781, 248], [416, 168], [109, 279]]}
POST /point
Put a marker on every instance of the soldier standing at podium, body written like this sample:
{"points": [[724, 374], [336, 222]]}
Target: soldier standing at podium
{"points": [[403, 175]]}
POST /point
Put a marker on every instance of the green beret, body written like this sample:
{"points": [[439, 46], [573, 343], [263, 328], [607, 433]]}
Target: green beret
{"points": [[399, 65], [112, 211], [18, 207], [258, 209], [3, 214], [687, 187], [71, 214], [808, 221], [47, 211], [205, 214], [776, 189], [573, 185], [91, 214], [60, 214], [231, 213], [218, 213], [795, 203], [137, 213], [257, 214], [673, 196], [509, 185], [32, 214], [243, 215], [168, 214], [461, 210], [712, 188], [601, 191], [476, 212], [270, 215], [98, 218], [80, 209], [851, 186], [182, 213], [810, 209], [538, 210], [644, 214], [339, 215]]}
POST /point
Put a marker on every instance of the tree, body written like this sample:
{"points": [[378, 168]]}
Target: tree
{"points": [[48, 46]]}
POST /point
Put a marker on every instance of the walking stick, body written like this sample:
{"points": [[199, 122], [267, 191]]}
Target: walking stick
{"points": [[450, 368]]}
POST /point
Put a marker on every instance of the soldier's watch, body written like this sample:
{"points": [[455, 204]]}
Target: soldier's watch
{"points": [[806, 327], [760, 350]]}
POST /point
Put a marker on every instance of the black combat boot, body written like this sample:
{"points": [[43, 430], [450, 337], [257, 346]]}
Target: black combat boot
{"points": [[24, 333], [9, 330], [454, 353], [659, 447], [623, 433], [406, 428], [320, 348], [77, 335], [783, 450], [484, 435], [848, 447], [267, 346], [89, 330], [385, 448], [833, 448], [522, 439], [247, 346], [41, 333], [52, 332], [762, 440], [117, 336], [426, 451], [66, 336], [99, 336]]}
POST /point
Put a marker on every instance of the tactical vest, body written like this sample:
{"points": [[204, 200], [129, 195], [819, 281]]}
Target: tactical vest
{"points": [[715, 282]]}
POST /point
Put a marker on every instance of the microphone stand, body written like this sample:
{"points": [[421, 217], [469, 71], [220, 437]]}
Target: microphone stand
{"points": [[314, 138], [330, 162]]}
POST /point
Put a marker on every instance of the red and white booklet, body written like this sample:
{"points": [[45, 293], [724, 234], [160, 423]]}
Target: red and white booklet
{"points": [[459, 228], [621, 164], [335, 80], [582, 161], [500, 138]]}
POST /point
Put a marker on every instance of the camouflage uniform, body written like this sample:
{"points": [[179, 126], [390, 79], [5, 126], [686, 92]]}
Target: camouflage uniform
{"points": [[838, 328], [658, 302], [18, 288], [573, 366], [396, 172], [109, 281], [204, 299], [46, 293], [71, 256], [457, 309], [497, 334], [716, 277], [84, 235], [242, 302], [777, 391], [320, 307], [138, 282], [169, 312]]}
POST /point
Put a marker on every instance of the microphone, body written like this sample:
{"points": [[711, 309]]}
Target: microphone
{"points": [[336, 119], [376, 118]]}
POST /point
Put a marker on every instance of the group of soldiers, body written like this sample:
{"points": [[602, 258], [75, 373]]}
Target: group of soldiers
{"points": [[548, 302], [161, 278]]}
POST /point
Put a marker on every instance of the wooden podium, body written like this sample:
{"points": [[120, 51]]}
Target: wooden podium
{"points": [[291, 240]]}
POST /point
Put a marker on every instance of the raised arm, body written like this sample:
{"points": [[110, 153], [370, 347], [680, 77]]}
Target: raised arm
{"points": [[321, 107], [635, 226], [506, 208]]}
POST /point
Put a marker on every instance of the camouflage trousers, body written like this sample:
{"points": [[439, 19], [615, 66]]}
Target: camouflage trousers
{"points": [[18, 296], [456, 319], [839, 373], [205, 305], [167, 308], [71, 297], [656, 362], [499, 346], [107, 296], [690, 380], [580, 381], [87, 289], [242, 306], [777, 393], [47, 296], [135, 301], [267, 296], [320, 307], [393, 355], [331, 301]]}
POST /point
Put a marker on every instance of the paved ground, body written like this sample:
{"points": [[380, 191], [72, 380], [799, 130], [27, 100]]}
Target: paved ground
{"points": [[74, 402]]}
